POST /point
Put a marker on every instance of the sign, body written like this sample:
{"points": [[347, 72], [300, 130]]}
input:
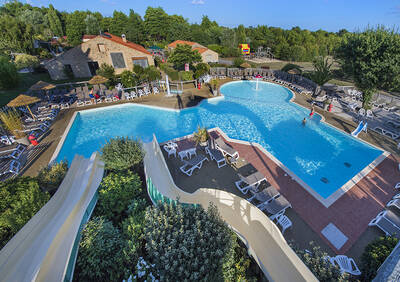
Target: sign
{"points": [[186, 67]]}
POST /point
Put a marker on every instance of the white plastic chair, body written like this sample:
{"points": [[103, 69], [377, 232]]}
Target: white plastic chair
{"points": [[361, 112], [397, 186], [345, 264], [284, 222], [170, 150]]}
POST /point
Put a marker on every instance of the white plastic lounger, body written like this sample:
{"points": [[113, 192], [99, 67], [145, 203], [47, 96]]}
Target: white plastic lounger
{"points": [[249, 182], [265, 196], [11, 166], [397, 186], [217, 156], [345, 264], [394, 203], [225, 149], [276, 207], [284, 222], [155, 90], [190, 165], [388, 222]]}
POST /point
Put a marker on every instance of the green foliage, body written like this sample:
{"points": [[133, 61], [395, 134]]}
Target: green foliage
{"points": [[151, 73], [201, 69], [289, 67], [201, 135], [118, 23], [135, 28], [101, 252], [50, 177], [186, 75], [20, 199], [54, 22], [315, 260], [372, 58], [107, 71], [237, 62], [128, 79], [75, 27], [186, 243], [156, 23], [15, 35], [122, 153], [183, 54], [116, 193], [322, 70], [172, 74], [92, 24], [26, 61], [44, 53], [374, 255], [8, 74]]}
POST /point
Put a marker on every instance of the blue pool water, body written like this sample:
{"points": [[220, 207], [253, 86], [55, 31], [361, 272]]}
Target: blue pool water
{"points": [[266, 116]]}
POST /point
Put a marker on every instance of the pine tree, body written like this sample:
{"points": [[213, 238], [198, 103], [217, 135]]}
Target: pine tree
{"points": [[54, 21]]}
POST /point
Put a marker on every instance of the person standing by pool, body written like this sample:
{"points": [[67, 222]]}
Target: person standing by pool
{"points": [[312, 111]]}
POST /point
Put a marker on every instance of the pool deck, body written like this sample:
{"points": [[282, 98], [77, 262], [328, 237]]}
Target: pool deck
{"points": [[351, 213]]}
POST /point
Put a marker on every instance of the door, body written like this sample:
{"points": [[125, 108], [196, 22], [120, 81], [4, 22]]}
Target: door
{"points": [[93, 67]]}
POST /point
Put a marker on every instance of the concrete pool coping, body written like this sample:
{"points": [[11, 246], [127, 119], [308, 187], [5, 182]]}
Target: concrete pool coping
{"points": [[324, 201]]}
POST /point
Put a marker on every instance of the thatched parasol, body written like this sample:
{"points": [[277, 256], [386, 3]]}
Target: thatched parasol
{"points": [[294, 71], [245, 65], [42, 85], [23, 100], [98, 79]]}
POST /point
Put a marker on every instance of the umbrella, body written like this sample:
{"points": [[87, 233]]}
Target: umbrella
{"points": [[41, 85], [23, 100], [245, 65], [98, 79]]}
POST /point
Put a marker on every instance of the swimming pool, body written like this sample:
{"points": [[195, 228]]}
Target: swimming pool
{"points": [[320, 155]]}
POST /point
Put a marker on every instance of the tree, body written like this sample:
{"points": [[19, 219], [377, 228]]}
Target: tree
{"points": [[151, 73], [92, 24], [135, 28], [128, 79], [183, 54], [75, 27], [315, 259], [107, 71], [20, 199], [15, 36], [322, 70], [241, 34], [26, 61], [50, 177], [119, 23], [374, 255], [35, 18], [122, 153], [116, 193], [54, 21], [185, 242], [8, 74], [100, 256], [372, 58], [156, 23]]}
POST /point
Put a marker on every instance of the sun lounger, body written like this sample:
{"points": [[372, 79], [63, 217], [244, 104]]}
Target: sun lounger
{"points": [[276, 207], [155, 90], [190, 165], [388, 222], [7, 140], [12, 147], [265, 195], [217, 156], [250, 182], [10, 166], [345, 264], [394, 203], [133, 94], [225, 149], [284, 222]]}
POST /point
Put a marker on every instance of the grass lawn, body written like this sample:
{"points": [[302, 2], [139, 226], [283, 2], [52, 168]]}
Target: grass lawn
{"points": [[341, 82], [26, 81]]}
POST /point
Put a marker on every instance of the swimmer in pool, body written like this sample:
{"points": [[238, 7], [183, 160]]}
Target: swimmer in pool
{"points": [[304, 121]]}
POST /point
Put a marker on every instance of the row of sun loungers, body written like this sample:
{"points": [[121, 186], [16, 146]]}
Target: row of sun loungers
{"points": [[387, 220]]}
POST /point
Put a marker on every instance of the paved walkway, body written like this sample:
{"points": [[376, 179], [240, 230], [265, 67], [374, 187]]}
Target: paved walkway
{"points": [[351, 213]]}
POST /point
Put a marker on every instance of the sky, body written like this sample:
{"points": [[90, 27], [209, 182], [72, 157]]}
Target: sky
{"points": [[330, 15]]}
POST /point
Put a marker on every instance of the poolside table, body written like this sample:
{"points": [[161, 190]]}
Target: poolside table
{"points": [[187, 153]]}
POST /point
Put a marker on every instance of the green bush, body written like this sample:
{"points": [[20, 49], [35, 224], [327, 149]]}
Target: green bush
{"points": [[315, 260], [374, 255], [173, 74], [186, 75], [128, 79], [201, 69], [107, 71], [122, 153], [101, 252], [185, 242], [116, 192], [8, 74], [238, 61], [50, 177], [20, 199], [26, 61]]}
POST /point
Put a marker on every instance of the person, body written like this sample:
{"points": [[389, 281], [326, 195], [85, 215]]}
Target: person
{"points": [[304, 121], [312, 111]]}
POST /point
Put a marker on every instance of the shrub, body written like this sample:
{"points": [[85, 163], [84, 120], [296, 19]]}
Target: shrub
{"points": [[238, 61], [12, 121], [116, 192], [26, 61], [50, 177], [186, 243], [316, 262], [106, 71], [20, 199], [122, 153], [186, 75], [128, 79], [8, 74], [100, 256], [374, 255], [173, 74], [201, 69]]}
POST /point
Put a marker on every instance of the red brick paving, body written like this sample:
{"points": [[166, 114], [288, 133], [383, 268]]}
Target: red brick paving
{"points": [[351, 213]]}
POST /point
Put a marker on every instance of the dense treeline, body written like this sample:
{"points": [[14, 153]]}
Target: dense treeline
{"points": [[21, 23]]}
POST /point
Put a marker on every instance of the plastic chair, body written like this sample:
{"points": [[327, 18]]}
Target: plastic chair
{"points": [[345, 264], [284, 222]]}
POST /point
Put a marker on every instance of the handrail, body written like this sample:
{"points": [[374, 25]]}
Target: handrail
{"points": [[265, 242]]}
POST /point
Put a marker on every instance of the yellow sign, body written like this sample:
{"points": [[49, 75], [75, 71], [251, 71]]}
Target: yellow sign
{"points": [[245, 48]]}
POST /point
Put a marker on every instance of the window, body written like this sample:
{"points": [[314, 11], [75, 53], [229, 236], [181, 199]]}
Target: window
{"points": [[141, 61], [118, 60], [101, 47], [93, 67]]}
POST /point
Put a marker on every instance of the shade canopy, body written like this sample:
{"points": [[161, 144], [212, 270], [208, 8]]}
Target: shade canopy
{"points": [[245, 65], [98, 79], [42, 85], [22, 100], [294, 71]]}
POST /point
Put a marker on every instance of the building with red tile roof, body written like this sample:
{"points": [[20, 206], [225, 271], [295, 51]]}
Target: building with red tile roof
{"points": [[207, 55]]}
